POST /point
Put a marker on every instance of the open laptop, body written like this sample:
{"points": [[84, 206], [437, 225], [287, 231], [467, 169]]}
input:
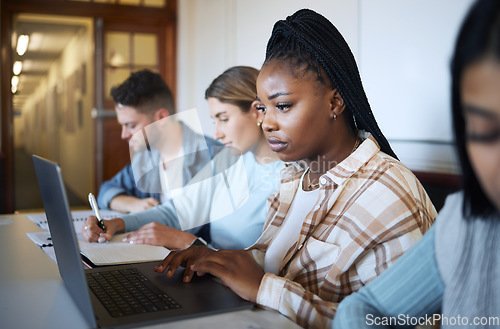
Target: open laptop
{"points": [[170, 299]]}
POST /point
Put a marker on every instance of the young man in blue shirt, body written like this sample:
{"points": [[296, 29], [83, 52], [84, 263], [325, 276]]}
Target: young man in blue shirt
{"points": [[158, 143]]}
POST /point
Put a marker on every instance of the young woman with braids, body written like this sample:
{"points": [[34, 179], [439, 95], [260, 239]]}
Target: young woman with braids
{"points": [[346, 208]]}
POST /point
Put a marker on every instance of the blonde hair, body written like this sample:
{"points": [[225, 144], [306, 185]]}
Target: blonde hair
{"points": [[237, 85]]}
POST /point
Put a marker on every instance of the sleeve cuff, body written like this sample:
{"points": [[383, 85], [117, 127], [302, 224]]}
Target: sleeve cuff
{"points": [[270, 291], [258, 256], [131, 222]]}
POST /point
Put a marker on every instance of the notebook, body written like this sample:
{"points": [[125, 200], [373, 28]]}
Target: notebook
{"points": [[103, 254], [79, 216], [167, 299]]}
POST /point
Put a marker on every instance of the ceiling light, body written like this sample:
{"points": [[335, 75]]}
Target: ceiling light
{"points": [[17, 68], [14, 84], [22, 44], [15, 80]]}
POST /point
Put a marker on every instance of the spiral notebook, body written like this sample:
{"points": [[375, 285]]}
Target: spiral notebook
{"points": [[78, 217]]}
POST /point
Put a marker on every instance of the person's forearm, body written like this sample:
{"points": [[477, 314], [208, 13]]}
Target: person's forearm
{"points": [[118, 224], [186, 239], [122, 203], [122, 182], [164, 214]]}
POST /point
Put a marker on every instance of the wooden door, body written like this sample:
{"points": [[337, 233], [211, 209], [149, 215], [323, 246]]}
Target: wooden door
{"points": [[126, 48], [138, 19]]}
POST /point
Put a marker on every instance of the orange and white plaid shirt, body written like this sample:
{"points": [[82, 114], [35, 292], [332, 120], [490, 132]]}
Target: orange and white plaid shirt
{"points": [[370, 210]]}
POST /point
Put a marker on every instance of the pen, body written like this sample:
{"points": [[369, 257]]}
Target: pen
{"points": [[93, 204]]}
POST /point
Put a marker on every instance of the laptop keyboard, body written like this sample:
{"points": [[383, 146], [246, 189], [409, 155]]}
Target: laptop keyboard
{"points": [[127, 292]]}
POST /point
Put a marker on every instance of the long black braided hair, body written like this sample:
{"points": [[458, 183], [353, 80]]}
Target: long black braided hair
{"points": [[308, 39]]}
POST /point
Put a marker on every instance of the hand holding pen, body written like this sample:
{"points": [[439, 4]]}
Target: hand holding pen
{"points": [[100, 223]]}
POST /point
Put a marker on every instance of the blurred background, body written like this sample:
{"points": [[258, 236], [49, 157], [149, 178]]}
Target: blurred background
{"points": [[60, 59]]}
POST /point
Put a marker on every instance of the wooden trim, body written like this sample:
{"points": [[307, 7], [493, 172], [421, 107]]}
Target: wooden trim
{"points": [[7, 166], [170, 51], [446, 180], [111, 12]]}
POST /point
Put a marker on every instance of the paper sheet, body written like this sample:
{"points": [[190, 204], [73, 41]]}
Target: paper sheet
{"points": [[118, 252], [108, 253], [42, 239]]}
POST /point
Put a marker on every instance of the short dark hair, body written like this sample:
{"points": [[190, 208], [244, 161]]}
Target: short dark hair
{"points": [[146, 91], [236, 85], [308, 41], [479, 37]]}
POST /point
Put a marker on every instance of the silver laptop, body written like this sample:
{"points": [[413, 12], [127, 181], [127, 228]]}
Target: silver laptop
{"points": [[159, 299]]}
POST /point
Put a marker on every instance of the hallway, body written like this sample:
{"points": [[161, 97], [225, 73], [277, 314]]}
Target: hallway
{"points": [[26, 193]]}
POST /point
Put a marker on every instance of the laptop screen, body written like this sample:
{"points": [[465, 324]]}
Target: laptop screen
{"points": [[66, 248]]}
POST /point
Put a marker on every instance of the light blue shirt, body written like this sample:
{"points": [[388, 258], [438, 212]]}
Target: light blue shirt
{"points": [[236, 230], [198, 150], [408, 290], [452, 274]]}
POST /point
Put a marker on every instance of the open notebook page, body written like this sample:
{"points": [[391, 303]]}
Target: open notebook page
{"points": [[108, 253], [118, 252]]}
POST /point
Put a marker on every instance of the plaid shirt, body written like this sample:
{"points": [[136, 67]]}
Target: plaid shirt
{"points": [[370, 210]]}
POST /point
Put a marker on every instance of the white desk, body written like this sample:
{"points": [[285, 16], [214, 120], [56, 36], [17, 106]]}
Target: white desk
{"points": [[32, 294]]}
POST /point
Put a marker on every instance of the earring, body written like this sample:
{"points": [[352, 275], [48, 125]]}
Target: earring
{"points": [[333, 111], [259, 124]]}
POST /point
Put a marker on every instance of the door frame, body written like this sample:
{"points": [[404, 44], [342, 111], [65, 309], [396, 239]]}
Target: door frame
{"points": [[107, 164], [162, 17]]}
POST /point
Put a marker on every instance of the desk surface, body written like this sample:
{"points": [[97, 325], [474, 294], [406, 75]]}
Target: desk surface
{"points": [[33, 295]]}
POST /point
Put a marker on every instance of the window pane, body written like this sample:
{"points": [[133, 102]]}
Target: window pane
{"points": [[117, 49], [112, 78], [145, 48], [154, 3], [130, 2], [142, 67], [145, 3]]}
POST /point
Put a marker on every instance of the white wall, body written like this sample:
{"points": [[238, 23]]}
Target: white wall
{"points": [[217, 34], [405, 52], [402, 47]]}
